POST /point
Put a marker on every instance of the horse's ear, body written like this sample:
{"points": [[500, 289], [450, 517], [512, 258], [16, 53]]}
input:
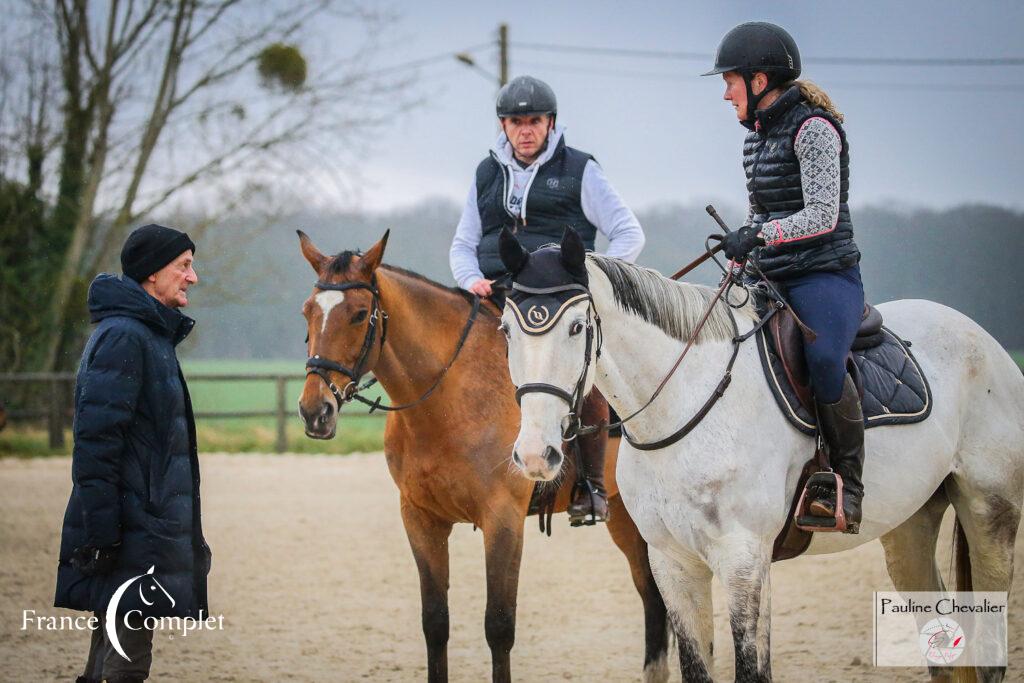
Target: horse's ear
{"points": [[574, 254], [312, 254], [513, 256], [371, 259]]}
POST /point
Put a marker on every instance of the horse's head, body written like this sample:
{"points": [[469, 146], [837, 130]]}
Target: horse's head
{"points": [[553, 341], [345, 330]]}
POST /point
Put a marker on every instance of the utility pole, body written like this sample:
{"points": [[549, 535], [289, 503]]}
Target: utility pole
{"points": [[502, 55], [502, 77]]}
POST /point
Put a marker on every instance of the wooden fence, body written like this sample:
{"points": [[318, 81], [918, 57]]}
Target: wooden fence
{"points": [[61, 385]]}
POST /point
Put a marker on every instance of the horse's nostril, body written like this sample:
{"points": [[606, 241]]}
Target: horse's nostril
{"points": [[552, 456], [516, 459]]}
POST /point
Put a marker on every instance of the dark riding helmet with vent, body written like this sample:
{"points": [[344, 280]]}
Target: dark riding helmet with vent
{"points": [[758, 46], [526, 96]]}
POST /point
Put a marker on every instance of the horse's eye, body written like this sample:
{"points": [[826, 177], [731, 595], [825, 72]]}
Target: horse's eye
{"points": [[576, 328], [307, 337], [504, 330], [359, 317]]}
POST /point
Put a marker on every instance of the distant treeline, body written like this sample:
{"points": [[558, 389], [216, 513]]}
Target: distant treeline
{"points": [[253, 281]]}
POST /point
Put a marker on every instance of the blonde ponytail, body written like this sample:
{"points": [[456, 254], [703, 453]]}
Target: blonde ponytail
{"points": [[819, 98]]}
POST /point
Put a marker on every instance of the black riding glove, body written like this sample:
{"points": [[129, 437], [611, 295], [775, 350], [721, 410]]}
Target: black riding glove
{"points": [[95, 561], [739, 243]]}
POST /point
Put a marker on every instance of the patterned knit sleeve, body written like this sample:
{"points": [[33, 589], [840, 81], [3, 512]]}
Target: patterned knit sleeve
{"points": [[817, 148], [750, 215]]}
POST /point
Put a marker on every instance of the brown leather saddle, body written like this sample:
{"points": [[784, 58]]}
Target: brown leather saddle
{"points": [[788, 338]]}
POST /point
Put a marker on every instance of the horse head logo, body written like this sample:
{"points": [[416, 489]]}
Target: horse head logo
{"points": [[537, 315], [147, 589]]}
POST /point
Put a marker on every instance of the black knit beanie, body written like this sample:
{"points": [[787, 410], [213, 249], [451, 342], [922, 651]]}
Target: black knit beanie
{"points": [[150, 248]]}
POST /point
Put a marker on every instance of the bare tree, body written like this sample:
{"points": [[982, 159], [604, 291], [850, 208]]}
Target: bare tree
{"points": [[205, 99]]}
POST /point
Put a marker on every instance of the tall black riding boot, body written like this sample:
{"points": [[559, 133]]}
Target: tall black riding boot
{"points": [[841, 425], [589, 504]]}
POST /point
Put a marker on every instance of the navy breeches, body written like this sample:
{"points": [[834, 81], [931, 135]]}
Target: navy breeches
{"points": [[832, 305]]}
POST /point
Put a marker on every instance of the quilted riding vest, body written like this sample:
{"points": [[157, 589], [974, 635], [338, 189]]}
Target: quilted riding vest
{"points": [[773, 183], [552, 203]]}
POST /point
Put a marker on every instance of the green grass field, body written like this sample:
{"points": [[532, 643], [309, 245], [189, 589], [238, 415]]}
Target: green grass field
{"points": [[357, 431]]}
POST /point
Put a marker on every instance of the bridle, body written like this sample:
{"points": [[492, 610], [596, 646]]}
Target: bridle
{"points": [[571, 422], [316, 365], [571, 426]]}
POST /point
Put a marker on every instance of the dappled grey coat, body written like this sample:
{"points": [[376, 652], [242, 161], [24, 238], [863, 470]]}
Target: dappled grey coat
{"points": [[135, 466]]}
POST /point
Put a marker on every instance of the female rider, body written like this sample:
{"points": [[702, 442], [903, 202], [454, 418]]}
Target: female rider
{"points": [[798, 230]]}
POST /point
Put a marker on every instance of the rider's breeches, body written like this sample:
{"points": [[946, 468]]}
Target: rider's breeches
{"points": [[832, 305]]}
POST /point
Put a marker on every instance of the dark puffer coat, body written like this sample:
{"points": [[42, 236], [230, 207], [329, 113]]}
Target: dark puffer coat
{"points": [[135, 465]]}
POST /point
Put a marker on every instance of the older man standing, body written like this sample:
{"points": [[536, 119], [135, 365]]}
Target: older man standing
{"points": [[135, 500]]}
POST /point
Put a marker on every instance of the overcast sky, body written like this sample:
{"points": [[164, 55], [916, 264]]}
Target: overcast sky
{"points": [[935, 136]]}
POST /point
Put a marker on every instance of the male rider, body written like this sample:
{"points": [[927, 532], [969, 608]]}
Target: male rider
{"points": [[536, 185]]}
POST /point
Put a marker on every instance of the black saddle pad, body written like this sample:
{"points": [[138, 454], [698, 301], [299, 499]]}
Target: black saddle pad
{"points": [[895, 388]]}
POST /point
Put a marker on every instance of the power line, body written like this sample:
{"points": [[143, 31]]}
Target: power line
{"points": [[838, 85], [701, 56], [442, 56]]}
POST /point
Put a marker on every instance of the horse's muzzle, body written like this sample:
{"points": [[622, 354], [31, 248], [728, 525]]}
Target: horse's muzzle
{"points": [[322, 422], [543, 467]]}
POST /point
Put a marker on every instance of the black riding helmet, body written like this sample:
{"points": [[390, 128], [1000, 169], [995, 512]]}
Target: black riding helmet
{"points": [[526, 96], [758, 46]]}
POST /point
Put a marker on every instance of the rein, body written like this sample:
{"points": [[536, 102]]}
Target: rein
{"points": [[316, 365], [572, 428]]}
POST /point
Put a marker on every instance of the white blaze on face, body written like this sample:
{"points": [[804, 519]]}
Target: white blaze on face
{"points": [[328, 300]]}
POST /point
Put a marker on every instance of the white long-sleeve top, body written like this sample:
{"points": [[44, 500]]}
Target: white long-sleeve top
{"points": [[601, 204]]}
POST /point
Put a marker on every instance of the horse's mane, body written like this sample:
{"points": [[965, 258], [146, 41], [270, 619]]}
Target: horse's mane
{"points": [[673, 307], [340, 263]]}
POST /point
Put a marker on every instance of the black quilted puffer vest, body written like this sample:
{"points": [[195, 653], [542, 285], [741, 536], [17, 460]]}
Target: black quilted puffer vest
{"points": [[552, 203], [773, 183]]}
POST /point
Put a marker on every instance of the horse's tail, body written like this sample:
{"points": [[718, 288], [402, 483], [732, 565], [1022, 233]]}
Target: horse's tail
{"points": [[963, 582]]}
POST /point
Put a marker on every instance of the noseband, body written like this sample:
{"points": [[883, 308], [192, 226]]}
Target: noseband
{"points": [[315, 365]]}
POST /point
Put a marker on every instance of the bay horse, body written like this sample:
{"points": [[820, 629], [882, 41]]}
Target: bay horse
{"points": [[450, 453], [712, 503]]}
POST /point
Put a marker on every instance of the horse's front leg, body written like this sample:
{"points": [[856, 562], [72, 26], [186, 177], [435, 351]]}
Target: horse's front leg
{"points": [[428, 537], [743, 565], [685, 584], [503, 551], [627, 537]]}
